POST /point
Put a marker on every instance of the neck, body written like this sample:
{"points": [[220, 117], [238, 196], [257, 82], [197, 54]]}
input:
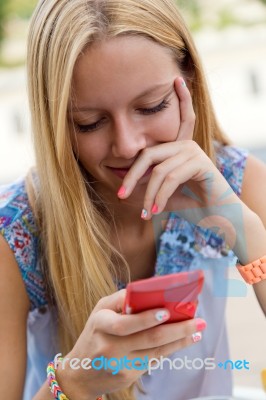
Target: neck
{"points": [[126, 212]]}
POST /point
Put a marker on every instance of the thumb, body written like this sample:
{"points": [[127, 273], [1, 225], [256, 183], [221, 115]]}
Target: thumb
{"points": [[113, 302], [187, 115]]}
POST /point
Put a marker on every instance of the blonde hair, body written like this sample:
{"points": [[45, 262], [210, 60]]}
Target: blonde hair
{"points": [[80, 262]]}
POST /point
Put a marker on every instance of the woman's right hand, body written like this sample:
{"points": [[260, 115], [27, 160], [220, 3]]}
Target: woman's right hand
{"points": [[111, 334]]}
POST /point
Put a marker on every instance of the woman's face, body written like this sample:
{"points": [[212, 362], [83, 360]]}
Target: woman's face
{"points": [[124, 101]]}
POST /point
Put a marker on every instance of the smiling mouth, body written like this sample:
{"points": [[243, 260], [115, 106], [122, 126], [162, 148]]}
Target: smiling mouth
{"points": [[121, 172]]}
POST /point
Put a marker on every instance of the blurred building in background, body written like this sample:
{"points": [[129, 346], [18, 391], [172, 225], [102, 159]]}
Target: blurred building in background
{"points": [[231, 38]]}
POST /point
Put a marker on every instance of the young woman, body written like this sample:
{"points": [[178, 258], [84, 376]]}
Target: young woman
{"points": [[124, 134]]}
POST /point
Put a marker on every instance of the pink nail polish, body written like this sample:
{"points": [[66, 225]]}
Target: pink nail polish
{"points": [[154, 209], [200, 324], [121, 191]]}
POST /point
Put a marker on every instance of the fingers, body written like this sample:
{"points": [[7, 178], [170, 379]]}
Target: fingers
{"points": [[165, 179], [138, 329], [181, 162], [148, 159], [165, 334], [167, 349], [113, 302], [144, 334], [152, 156], [183, 172], [112, 323], [186, 110]]}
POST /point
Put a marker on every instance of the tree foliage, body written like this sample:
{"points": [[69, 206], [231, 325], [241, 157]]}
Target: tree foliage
{"points": [[24, 8], [14, 9], [20, 8], [3, 14]]}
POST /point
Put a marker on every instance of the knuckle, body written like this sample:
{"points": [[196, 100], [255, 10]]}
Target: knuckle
{"points": [[171, 177], [157, 170], [101, 302], [118, 328], [193, 146], [97, 317], [106, 349], [92, 323]]}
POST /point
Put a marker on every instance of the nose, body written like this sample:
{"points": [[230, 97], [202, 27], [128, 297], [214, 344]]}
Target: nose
{"points": [[128, 138]]}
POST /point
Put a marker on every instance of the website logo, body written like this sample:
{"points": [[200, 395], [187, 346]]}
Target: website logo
{"points": [[117, 364]]}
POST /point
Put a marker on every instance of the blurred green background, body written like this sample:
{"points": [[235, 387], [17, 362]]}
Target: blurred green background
{"points": [[14, 9], [14, 15]]}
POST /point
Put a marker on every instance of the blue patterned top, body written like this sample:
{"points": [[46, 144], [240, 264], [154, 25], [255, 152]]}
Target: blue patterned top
{"points": [[18, 227], [182, 246]]}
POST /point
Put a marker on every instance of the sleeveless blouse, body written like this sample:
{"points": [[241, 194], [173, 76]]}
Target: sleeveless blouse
{"points": [[182, 246]]}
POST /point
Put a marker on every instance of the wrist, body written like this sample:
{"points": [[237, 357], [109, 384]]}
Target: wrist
{"points": [[251, 244], [69, 381]]}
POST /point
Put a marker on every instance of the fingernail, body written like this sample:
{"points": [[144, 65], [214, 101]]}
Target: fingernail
{"points": [[154, 209], [183, 83], [196, 337], [144, 213], [121, 191], [200, 324], [162, 315]]}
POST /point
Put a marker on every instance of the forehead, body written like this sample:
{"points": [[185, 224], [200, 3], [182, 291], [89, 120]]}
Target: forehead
{"points": [[126, 63], [123, 48]]}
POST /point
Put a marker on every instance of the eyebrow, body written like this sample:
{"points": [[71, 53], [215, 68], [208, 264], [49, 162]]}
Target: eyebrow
{"points": [[143, 94]]}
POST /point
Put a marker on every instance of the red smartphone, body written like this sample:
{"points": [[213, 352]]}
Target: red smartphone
{"points": [[176, 292]]}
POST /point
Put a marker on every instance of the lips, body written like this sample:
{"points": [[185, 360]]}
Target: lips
{"points": [[121, 172]]}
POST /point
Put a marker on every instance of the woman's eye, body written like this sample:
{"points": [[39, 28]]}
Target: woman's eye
{"points": [[90, 127], [162, 106], [146, 111]]}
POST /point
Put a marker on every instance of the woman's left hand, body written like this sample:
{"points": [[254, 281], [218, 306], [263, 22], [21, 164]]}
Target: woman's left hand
{"points": [[176, 163]]}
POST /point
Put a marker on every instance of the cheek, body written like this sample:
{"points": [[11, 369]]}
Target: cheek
{"points": [[89, 152]]}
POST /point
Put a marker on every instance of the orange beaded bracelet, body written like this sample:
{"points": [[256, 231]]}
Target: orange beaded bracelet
{"points": [[254, 272]]}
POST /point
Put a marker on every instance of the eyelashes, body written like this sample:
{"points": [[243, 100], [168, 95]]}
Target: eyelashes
{"points": [[91, 127], [162, 106], [145, 111]]}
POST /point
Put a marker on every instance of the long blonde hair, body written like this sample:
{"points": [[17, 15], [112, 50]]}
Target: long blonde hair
{"points": [[74, 230]]}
